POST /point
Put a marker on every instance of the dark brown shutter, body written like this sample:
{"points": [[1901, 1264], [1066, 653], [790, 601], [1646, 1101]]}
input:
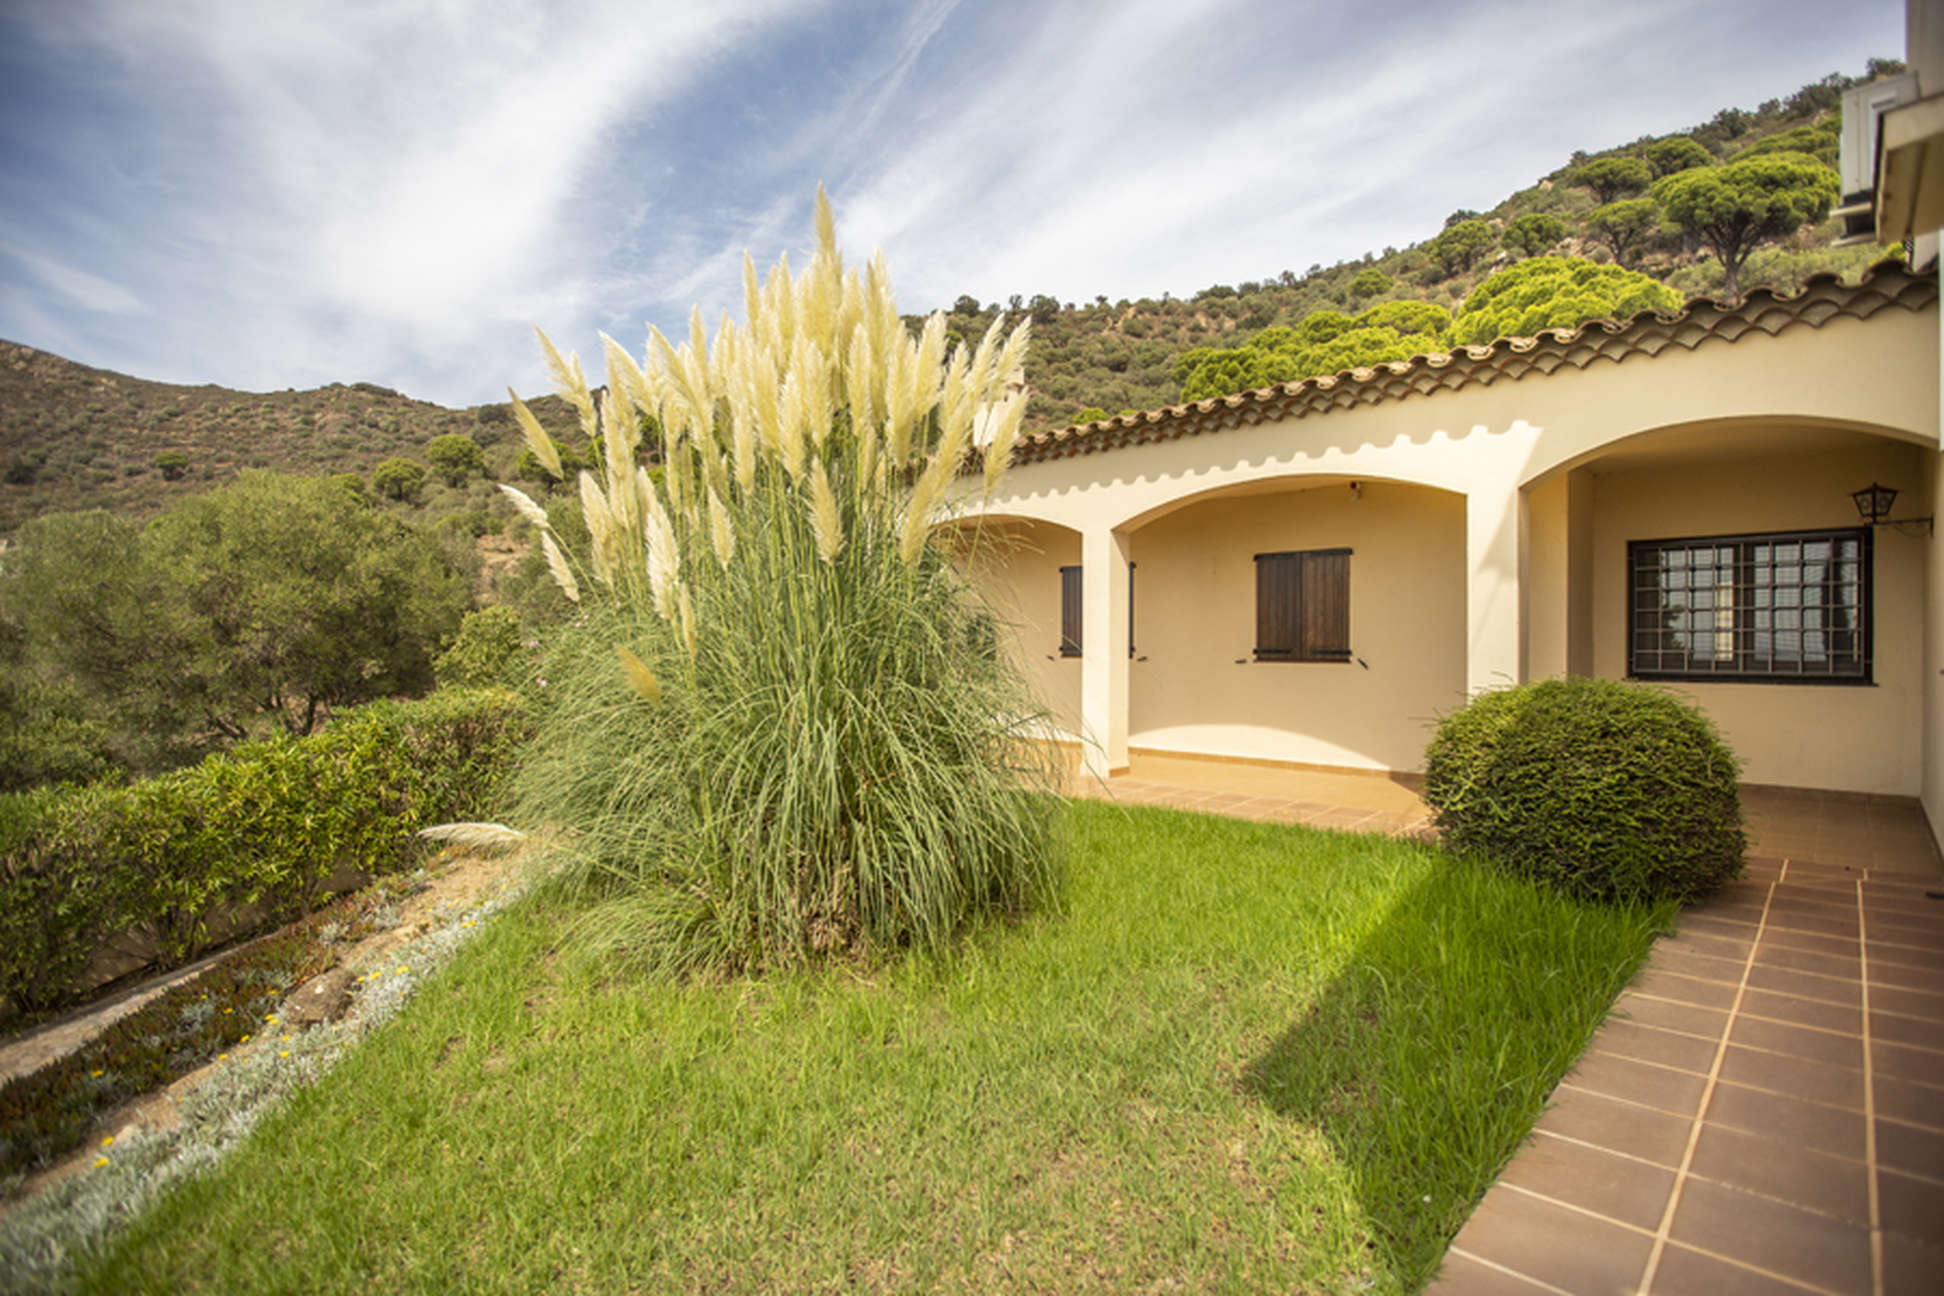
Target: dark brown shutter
{"points": [[1277, 587], [1070, 611], [1325, 606]]}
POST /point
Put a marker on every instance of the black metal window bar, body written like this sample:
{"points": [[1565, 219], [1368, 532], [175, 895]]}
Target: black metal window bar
{"points": [[1786, 607]]}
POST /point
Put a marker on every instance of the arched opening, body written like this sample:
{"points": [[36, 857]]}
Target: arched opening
{"points": [[1018, 562], [1309, 620], [1726, 560]]}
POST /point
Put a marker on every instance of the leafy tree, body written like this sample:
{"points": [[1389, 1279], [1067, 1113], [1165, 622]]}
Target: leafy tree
{"points": [[1428, 319], [1043, 309], [85, 620], [455, 458], [353, 485], [172, 464], [1676, 153], [967, 305], [1555, 292], [1091, 414], [1323, 342], [1460, 245], [399, 479], [1369, 282], [1535, 232], [1462, 214], [1736, 207], [1624, 226], [287, 597], [491, 423], [1613, 177], [1821, 141], [485, 653]]}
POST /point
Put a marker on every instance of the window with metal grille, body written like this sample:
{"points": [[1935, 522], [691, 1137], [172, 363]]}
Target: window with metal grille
{"points": [[1303, 606], [1070, 611], [1788, 607]]}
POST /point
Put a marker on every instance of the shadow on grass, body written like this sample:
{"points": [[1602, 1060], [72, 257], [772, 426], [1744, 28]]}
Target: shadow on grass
{"points": [[1428, 1057]]}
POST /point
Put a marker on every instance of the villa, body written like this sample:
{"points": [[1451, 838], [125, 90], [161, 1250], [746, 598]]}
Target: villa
{"points": [[1308, 575]]}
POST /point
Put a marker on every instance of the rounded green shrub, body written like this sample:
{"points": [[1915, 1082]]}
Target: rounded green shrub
{"points": [[1601, 789]]}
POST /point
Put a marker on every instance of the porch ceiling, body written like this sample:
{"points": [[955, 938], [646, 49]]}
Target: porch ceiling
{"points": [[1697, 444]]}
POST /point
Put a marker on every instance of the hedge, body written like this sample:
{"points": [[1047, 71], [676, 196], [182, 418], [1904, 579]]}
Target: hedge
{"points": [[263, 825]]}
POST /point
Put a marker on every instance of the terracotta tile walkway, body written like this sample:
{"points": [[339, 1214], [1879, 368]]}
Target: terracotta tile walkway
{"points": [[1762, 1112]]}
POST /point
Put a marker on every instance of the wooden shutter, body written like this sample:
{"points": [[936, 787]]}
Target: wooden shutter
{"points": [[1277, 589], [1070, 611], [1303, 606], [1325, 606]]}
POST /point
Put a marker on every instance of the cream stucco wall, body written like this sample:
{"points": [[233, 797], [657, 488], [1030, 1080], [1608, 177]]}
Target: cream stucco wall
{"points": [[1533, 470], [1848, 737], [1017, 565], [1194, 684]]}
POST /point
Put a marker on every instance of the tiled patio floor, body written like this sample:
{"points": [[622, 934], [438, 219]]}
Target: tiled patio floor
{"points": [[1764, 1109]]}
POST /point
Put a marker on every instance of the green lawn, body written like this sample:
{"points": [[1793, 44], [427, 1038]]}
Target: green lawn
{"points": [[1245, 1058]]}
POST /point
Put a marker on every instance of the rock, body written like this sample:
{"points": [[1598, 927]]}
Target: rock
{"points": [[322, 998]]}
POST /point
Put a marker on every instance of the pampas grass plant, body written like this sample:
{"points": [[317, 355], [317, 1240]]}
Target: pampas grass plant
{"points": [[777, 730]]}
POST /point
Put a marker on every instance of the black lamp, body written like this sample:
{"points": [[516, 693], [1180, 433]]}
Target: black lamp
{"points": [[1873, 503]]}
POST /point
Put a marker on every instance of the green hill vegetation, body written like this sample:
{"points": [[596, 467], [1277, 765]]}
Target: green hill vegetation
{"points": [[1738, 202]]}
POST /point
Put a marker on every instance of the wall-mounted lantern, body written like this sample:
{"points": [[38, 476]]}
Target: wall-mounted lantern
{"points": [[1873, 505]]}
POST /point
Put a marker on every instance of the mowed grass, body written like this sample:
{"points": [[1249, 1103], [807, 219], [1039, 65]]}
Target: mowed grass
{"points": [[1246, 1058]]}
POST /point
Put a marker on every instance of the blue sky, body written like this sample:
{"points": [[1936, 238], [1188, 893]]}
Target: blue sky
{"points": [[290, 194]]}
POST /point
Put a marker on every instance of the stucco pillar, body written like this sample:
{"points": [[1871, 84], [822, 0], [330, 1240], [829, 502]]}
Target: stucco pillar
{"points": [[1103, 643], [1494, 605]]}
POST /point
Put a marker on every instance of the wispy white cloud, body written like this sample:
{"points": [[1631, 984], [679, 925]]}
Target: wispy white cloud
{"points": [[89, 292], [324, 191]]}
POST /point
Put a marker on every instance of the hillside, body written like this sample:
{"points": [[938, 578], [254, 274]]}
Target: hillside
{"points": [[73, 437]]}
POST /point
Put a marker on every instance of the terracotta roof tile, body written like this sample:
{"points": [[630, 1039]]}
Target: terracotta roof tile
{"points": [[1823, 297]]}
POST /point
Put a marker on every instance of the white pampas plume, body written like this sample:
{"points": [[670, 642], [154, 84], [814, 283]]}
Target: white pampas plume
{"points": [[721, 533], [603, 544], [627, 377], [860, 363], [924, 375], [1000, 426], [917, 518], [536, 437], [687, 610], [664, 557], [1011, 368], [528, 509], [640, 678], [825, 524], [752, 292], [482, 837], [570, 383], [557, 564]]}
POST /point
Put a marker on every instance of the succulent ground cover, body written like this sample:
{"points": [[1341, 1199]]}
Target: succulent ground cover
{"points": [[70, 1209], [52, 1111], [1244, 1057]]}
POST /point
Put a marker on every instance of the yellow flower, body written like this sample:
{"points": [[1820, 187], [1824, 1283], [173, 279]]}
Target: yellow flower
{"points": [[100, 1162], [285, 1053], [271, 1018], [401, 971], [222, 1057], [110, 1139], [96, 1074], [229, 1010], [244, 1040], [286, 1039]]}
